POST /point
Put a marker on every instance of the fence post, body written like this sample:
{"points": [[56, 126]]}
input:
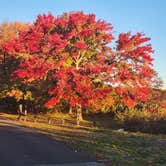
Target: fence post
{"points": [[49, 120], [63, 121]]}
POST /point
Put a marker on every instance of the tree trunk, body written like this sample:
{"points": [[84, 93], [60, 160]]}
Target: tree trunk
{"points": [[4, 63], [79, 115], [70, 111]]}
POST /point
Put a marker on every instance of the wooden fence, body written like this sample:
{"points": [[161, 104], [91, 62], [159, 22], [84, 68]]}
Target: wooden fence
{"points": [[57, 121]]}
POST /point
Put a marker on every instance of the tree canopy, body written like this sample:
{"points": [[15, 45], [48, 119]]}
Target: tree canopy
{"points": [[71, 58]]}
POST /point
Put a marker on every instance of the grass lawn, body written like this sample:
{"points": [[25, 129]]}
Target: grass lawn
{"points": [[116, 148]]}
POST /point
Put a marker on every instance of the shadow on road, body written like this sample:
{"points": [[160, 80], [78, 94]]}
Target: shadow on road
{"points": [[20, 146]]}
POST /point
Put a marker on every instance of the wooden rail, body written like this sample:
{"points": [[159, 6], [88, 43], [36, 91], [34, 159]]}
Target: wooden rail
{"points": [[56, 121]]}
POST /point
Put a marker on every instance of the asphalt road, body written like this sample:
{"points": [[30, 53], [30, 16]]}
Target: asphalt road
{"points": [[21, 146]]}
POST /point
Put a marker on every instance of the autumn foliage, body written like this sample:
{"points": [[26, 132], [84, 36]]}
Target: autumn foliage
{"points": [[8, 63], [71, 55]]}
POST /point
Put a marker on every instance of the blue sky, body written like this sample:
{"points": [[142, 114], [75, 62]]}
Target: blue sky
{"points": [[148, 16]]}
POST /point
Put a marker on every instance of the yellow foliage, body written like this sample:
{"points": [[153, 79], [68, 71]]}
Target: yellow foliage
{"points": [[103, 104], [18, 94], [68, 62]]}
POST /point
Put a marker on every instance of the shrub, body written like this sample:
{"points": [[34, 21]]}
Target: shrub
{"points": [[144, 121]]}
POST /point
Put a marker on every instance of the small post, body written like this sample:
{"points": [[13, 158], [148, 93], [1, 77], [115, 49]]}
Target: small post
{"points": [[63, 121], [19, 111], [49, 121], [25, 115], [78, 121]]}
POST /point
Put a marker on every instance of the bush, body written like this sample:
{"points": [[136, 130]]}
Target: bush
{"points": [[144, 121]]}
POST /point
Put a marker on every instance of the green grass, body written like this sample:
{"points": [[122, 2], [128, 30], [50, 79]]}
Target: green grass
{"points": [[115, 148]]}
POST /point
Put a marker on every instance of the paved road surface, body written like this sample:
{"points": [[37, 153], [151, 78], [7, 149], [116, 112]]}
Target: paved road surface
{"points": [[21, 146]]}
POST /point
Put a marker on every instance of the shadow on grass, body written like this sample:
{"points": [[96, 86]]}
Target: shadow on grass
{"points": [[118, 148]]}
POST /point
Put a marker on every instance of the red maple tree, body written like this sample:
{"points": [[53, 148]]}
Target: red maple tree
{"points": [[72, 54]]}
